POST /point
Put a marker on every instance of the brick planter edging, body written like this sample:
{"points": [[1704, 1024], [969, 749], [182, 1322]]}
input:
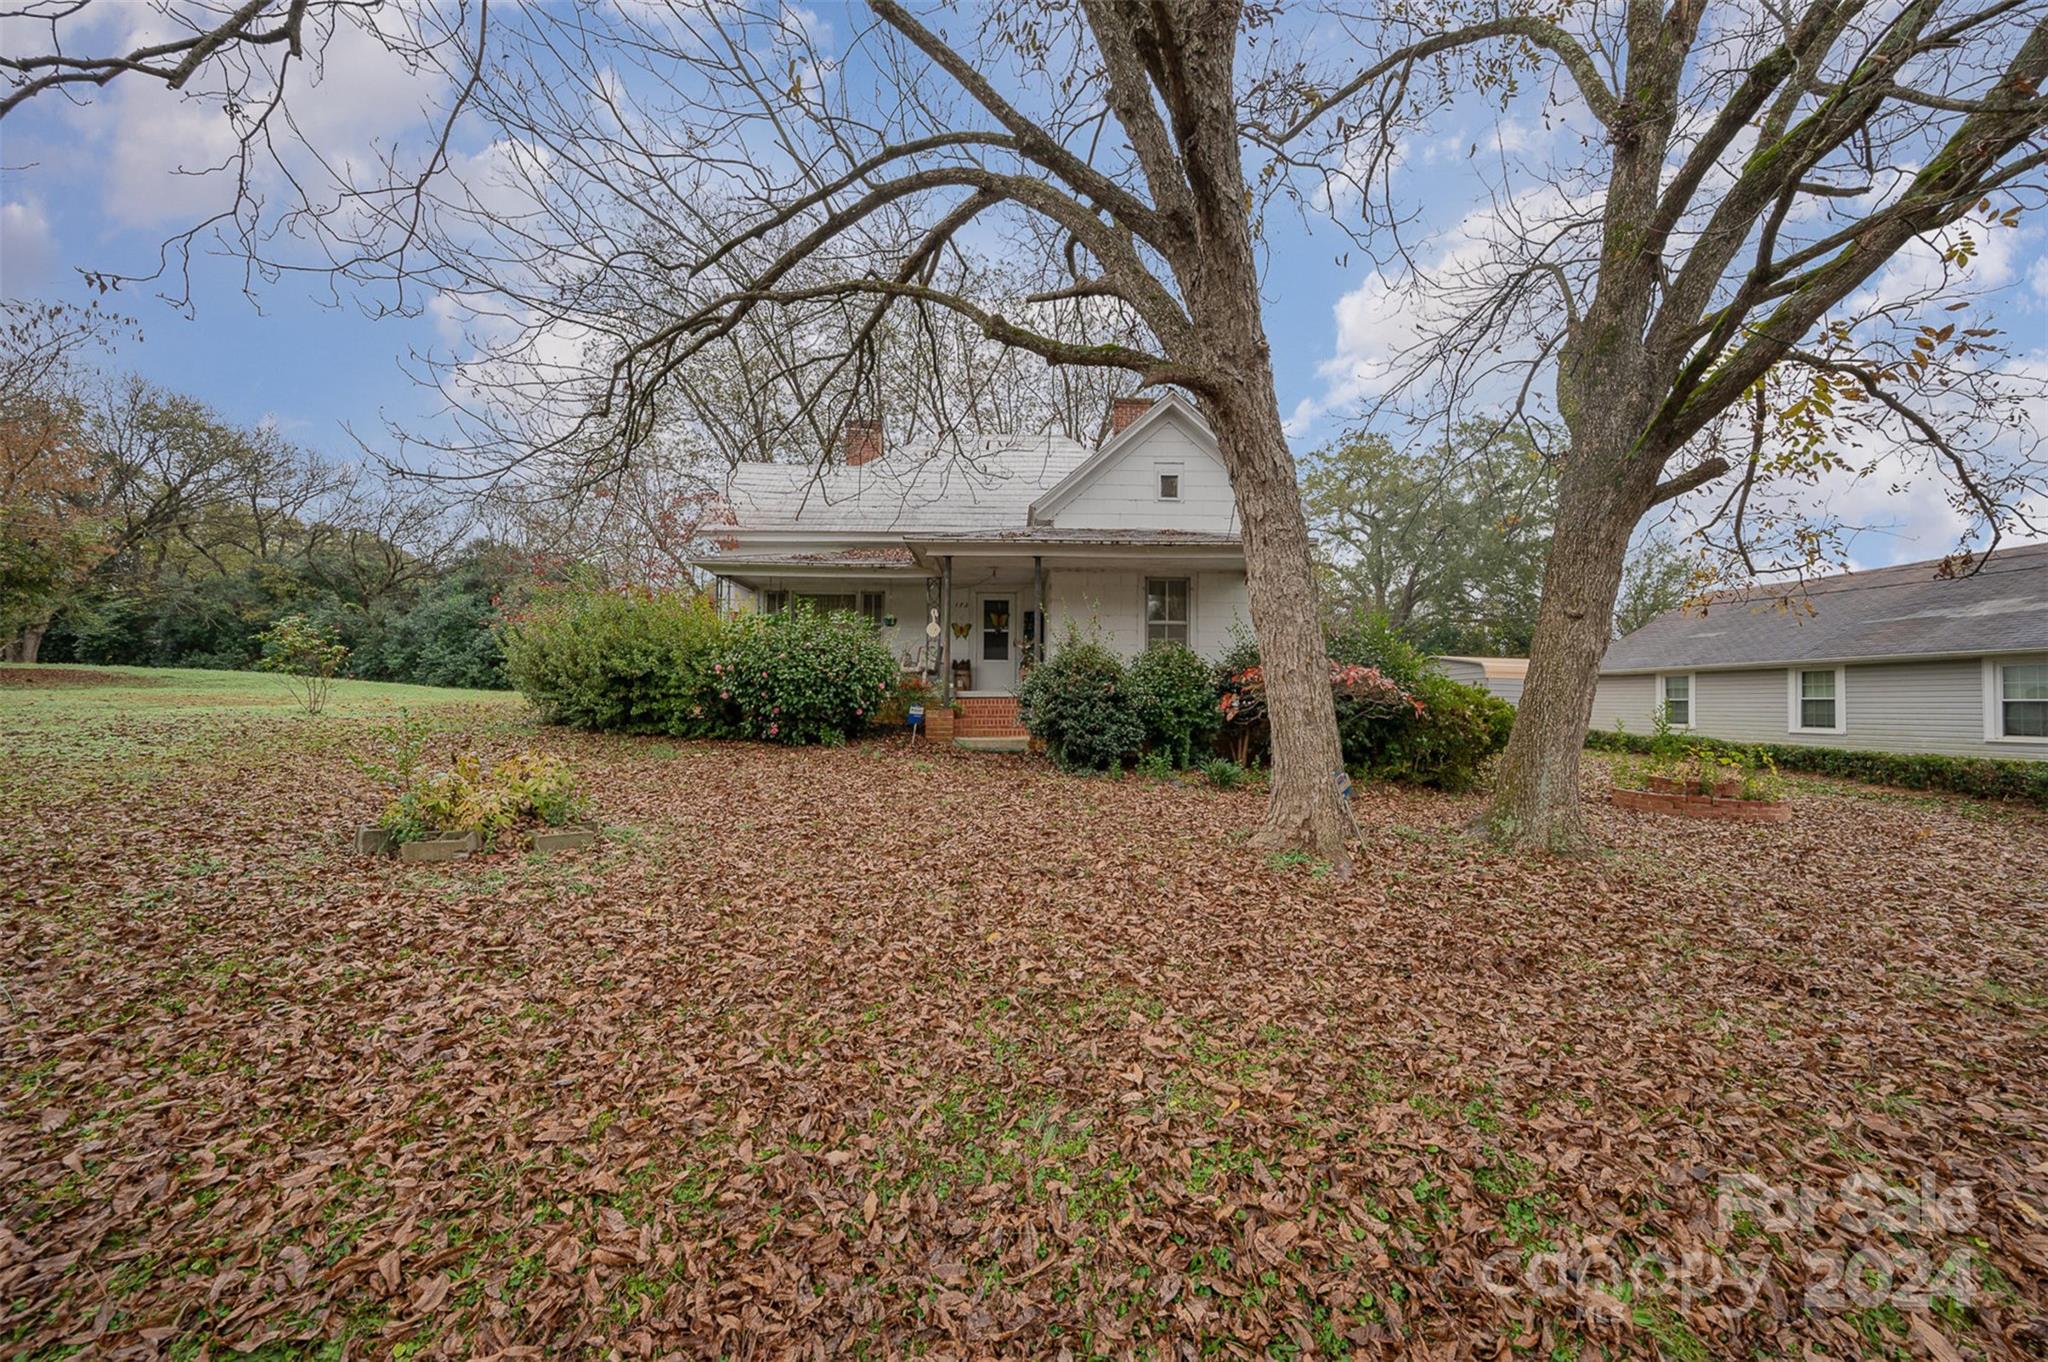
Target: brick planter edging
{"points": [[1703, 806]]}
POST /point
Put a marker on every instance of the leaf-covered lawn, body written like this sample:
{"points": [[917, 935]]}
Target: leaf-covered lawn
{"points": [[881, 1052]]}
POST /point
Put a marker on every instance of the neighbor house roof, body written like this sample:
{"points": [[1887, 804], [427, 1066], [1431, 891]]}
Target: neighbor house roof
{"points": [[980, 483], [1904, 611]]}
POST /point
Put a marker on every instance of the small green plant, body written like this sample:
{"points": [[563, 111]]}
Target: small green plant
{"points": [[1223, 773], [397, 750], [306, 655], [1155, 765], [1760, 778], [486, 798]]}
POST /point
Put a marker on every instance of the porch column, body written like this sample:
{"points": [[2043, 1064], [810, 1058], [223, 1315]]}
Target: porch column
{"points": [[1039, 645], [946, 628]]}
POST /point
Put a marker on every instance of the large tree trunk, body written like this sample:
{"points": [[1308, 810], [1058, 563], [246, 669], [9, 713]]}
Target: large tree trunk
{"points": [[24, 647], [1306, 809], [1536, 802]]}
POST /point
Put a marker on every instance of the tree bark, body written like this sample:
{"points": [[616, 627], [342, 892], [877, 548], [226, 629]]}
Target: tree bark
{"points": [[1306, 808], [25, 646], [1536, 802]]}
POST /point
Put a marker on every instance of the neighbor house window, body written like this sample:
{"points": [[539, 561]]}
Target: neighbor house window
{"points": [[1675, 695], [1166, 610], [1816, 700], [774, 602], [1169, 483], [2019, 700], [873, 605]]}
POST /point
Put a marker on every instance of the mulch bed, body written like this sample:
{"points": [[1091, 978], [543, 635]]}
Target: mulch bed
{"points": [[912, 1052], [71, 676]]}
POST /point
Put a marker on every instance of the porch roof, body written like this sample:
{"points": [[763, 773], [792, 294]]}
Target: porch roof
{"points": [[914, 555]]}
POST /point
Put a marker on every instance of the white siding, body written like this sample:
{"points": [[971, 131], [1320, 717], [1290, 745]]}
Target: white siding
{"points": [[1124, 494], [1508, 688], [1631, 699], [1111, 605], [1935, 706]]}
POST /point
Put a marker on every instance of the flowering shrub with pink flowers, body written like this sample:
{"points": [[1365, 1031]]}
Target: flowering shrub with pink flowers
{"points": [[1398, 717]]}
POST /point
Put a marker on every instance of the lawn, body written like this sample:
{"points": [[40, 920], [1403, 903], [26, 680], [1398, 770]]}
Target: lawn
{"points": [[884, 1051]]}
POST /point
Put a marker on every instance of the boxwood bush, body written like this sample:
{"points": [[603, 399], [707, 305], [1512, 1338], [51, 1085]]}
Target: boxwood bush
{"points": [[638, 661], [1983, 777], [802, 677], [1175, 695], [1080, 704], [631, 660]]}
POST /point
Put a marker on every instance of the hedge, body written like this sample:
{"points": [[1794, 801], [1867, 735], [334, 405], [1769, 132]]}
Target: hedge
{"points": [[1982, 777]]}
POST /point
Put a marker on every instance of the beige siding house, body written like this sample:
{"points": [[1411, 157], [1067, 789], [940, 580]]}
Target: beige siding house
{"points": [[1900, 659], [969, 557], [1502, 676]]}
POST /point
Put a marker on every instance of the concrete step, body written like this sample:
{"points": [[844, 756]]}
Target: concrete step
{"points": [[1020, 743]]}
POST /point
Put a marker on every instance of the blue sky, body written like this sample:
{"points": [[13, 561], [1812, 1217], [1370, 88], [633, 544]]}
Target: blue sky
{"points": [[97, 187]]}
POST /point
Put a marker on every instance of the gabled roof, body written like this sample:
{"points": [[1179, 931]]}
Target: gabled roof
{"points": [[979, 483], [1169, 407], [1904, 611]]}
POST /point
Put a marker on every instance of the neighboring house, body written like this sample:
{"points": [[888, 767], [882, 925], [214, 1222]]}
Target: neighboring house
{"points": [[1503, 676], [970, 559], [1895, 660]]}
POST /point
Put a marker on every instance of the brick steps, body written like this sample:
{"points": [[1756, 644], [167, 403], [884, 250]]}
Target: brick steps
{"points": [[988, 716]]}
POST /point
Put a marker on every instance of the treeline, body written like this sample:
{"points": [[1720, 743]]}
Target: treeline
{"points": [[139, 526]]}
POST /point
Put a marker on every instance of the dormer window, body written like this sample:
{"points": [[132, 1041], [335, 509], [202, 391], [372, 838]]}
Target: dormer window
{"points": [[1169, 481]]}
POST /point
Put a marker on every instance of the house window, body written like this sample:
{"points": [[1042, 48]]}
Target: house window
{"points": [[824, 602], [873, 605], [2019, 701], [1816, 700], [1675, 695], [1169, 483], [1166, 610]]}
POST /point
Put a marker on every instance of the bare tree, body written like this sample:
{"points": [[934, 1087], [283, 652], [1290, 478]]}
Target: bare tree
{"points": [[726, 162], [1696, 276]]}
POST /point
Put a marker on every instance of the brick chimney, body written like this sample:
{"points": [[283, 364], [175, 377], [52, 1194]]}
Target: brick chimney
{"points": [[1124, 410], [860, 441]]}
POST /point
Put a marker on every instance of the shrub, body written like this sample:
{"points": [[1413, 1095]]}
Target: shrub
{"points": [[801, 677], [1079, 704], [485, 798], [306, 655], [1427, 728], [1174, 692], [1982, 777], [1223, 773], [1370, 640], [1446, 743], [910, 689], [634, 661]]}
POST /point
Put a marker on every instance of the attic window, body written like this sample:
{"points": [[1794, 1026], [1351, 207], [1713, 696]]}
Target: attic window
{"points": [[1169, 482]]}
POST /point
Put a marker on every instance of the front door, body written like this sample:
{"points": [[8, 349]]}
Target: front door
{"points": [[996, 643]]}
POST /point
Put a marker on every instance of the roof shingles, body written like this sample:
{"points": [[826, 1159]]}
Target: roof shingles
{"points": [[1903, 611]]}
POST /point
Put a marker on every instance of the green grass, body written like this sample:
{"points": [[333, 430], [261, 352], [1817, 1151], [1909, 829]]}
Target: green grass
{"points": [[183, 690], [149, 712]]}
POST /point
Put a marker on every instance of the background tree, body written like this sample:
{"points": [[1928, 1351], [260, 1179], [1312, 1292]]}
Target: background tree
{"points": [[1693, 268], [1446, 541], [51, 525], [1660, 577]]}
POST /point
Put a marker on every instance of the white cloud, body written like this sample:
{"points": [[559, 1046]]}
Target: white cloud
{"points": [[28, 248]]}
